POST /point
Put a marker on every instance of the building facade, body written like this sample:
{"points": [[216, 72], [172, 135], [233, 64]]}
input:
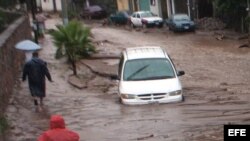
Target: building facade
{"points": [[165, 8], [49, 5]]}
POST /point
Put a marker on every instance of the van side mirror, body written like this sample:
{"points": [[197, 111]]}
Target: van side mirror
{"points": [[180, 73], [114, 77]]}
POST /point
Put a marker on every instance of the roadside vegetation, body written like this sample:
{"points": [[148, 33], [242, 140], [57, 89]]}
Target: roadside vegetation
{"points": [[233, 13], [72, 41], [4, 126], [7, 18]]}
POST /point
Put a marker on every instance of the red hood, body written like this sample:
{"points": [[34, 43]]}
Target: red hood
{"points": [[56, 121]]}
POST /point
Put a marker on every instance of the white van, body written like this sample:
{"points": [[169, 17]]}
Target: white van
{"points": [[147, 75]]}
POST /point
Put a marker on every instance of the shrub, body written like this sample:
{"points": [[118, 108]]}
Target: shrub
{"points": [[3, 125], [7, 18], [73, 41]]}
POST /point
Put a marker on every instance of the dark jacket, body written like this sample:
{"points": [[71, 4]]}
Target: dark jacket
{"points": [[57, 131], [36, 70]]}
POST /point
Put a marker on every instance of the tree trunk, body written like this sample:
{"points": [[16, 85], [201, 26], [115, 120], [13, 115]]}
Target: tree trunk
{"points": [[74, 67], [54, 6]]}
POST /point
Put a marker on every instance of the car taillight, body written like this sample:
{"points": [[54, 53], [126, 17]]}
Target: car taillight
{"points": [[129, 19], [144, 21]]}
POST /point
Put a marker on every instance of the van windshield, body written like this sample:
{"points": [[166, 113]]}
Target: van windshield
{"points": [[148, 69]]}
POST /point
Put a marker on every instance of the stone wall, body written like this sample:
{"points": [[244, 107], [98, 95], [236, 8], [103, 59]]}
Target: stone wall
{"points": [[11, 59]]}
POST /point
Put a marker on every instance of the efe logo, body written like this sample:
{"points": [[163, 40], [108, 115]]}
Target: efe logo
{"points": [[236, 132]]}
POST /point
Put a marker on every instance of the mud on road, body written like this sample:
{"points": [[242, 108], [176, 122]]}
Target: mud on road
{"points": [[215, 88]]}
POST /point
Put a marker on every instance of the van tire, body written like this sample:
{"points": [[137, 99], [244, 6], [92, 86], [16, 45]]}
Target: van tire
{"points": [[120, 100], [132, 25], [183, 98]]}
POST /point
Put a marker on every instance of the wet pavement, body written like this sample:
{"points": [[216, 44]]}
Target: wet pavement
{"points": [[215, 88]]}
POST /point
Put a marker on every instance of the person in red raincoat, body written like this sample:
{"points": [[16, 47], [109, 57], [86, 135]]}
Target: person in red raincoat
{"points": [[57, 131]]}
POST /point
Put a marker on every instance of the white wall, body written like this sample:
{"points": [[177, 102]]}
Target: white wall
{"points": [[155, 8], [47, 5], [38, 3]]}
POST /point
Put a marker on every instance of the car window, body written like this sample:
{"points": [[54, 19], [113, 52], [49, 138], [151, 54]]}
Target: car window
{"points": [[120, 66], [134, 15], [172, 62], [126, 14], [181, 18], [171, 18], [94, 8], [146, 14], [120, 14], [148, 69], [138, 15]]}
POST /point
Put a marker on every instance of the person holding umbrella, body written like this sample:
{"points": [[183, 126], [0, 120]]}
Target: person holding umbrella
{"points": [[28, 47], [36, 70]]}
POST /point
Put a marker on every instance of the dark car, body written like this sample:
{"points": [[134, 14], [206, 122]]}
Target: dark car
{"points": [[93, 12], [180, 22], [120, 17]]}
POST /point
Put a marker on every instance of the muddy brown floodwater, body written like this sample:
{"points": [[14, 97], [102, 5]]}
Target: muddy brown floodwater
{"points": [[216, 90]]}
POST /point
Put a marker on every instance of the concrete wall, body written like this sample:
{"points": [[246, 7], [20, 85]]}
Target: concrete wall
{"points": [[48, 5], [155, 8], [11, 59], [122, 5]]}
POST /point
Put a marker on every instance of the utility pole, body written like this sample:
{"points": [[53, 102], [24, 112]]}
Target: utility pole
{"points": [[54, 6], [173, 6], [248, 13], [87, 3], [64, 12], [188, 7], [34, 21], [248, 16]]}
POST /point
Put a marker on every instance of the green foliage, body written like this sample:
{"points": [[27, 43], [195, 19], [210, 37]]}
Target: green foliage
{"points": [[1, 24], [6, 18], [72, 14], [72, 41], [229, 6], [73, 11], [231, 11], [8, 3], [247, 20], [3, 125]]}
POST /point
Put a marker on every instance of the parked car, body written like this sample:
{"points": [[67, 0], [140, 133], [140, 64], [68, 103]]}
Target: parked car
{"points": [[147, 75], [180, 22], [93, 12], [145, 19], [120, 17]]}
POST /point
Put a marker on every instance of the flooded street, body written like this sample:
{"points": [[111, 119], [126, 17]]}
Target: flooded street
{"points": [[216, 91]]}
